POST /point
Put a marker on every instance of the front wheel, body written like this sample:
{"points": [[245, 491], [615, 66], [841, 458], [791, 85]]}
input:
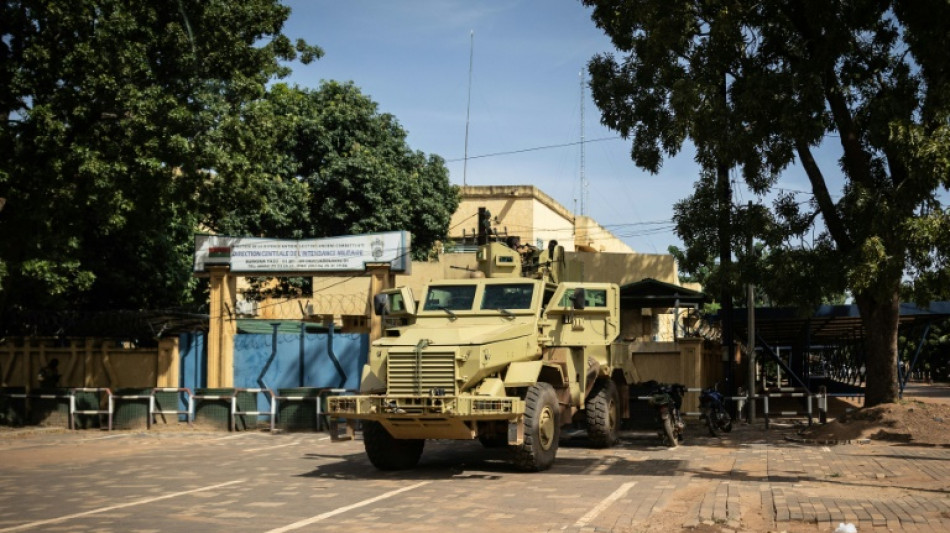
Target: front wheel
{"points": [[387, 452], [542, 429], [669, 436]]}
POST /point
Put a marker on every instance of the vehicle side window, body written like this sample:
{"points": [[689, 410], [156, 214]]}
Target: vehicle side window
{"points": [[592, 298], [396, 304]]}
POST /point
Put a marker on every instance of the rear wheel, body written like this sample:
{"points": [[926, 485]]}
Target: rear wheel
{"points": [[602, 414], [387, 452], [725, 420], [709, 417], [542, 429]]}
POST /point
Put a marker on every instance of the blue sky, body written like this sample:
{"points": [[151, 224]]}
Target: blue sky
{"points": [[412, 58]]}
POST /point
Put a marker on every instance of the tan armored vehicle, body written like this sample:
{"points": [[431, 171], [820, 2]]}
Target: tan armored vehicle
{"points": [[500, 357]]}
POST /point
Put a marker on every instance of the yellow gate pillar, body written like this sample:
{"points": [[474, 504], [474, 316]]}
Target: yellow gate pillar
{"points": [[380, 280], [222, 328]]}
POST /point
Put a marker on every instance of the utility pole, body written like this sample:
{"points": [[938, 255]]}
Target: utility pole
{"points": [[724, 194], [725, 266], [751, 342]]}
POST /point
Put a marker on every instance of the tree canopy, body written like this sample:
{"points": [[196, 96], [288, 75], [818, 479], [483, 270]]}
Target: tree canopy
{"points": [[759, 87], [338, 166], [127, 126]]}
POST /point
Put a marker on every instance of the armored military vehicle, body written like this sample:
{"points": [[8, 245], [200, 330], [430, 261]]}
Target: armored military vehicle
{"points": [[508, 356]]}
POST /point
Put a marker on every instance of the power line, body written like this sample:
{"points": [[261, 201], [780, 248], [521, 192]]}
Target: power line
{"points": [[534, 149]]}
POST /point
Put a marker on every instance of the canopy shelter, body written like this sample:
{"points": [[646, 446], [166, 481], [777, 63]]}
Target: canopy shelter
{"points": [[827, 345], [649, 293]]}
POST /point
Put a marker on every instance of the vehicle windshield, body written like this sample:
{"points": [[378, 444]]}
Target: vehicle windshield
{"points": [[513, 296], [450, 297]]}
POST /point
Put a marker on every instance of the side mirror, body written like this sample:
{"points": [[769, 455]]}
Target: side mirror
{"points": [[381, 304], [577, 299]]}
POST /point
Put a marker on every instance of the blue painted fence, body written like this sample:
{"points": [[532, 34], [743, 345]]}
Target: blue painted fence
{"points": [[332, 360]]}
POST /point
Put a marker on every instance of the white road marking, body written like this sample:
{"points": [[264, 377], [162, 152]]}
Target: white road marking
{"points": [[115, 436], [236, 436], [605, 503], [330, 514], [825, 449], [294, 443], [119, 506]]}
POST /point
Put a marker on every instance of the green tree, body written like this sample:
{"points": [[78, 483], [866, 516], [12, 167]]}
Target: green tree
{"points": [[114, 115], [365, 178], [759, 86], [339, 167]]}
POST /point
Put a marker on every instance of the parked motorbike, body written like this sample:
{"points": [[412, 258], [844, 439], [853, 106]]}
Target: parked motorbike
{"points": [[713, 412], [667, 400]]}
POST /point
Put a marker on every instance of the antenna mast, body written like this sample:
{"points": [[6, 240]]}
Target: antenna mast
{"points": [[468, 109], [583, 193]]}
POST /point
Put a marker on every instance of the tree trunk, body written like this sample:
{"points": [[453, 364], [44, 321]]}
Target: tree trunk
{"points": [[880, 318]]}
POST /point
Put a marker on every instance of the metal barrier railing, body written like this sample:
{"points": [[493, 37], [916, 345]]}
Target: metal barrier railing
{"points": [[151, 401], [740, 401], [317, 401], [109, 404], [821, 399], [230, 398], [272, 413], [68, 396], [189, 412]]}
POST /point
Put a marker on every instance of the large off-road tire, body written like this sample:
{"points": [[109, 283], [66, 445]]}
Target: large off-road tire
{"points": [[603, 414], [542, 429], [388, 453], [669, 436]]}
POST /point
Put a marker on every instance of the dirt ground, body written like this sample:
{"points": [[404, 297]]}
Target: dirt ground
{"points": [[921, 417]]}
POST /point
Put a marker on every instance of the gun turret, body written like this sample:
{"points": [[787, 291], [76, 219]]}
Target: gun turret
{"points": [[496, 260]]}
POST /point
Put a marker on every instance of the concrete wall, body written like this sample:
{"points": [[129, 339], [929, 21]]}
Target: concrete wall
{"points": [[89, 363], [690, 362]]}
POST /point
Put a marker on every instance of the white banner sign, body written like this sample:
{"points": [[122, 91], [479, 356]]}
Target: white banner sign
{"points": [[350, 253]]}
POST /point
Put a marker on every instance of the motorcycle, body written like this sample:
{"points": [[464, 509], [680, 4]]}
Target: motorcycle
{"points": [[667, 400], [713, 411]]}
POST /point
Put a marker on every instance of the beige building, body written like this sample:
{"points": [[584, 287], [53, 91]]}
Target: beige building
{"points": [[527, 212]]}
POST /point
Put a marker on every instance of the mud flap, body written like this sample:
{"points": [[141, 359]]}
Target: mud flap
{"points": [[350, 430], [516, 432]]}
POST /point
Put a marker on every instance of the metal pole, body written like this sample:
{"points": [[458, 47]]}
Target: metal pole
{"points": [[468, 109], [751, 345]]}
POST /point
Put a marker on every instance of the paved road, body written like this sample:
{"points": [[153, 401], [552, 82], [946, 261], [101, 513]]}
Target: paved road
{"points": [[754, 480]]}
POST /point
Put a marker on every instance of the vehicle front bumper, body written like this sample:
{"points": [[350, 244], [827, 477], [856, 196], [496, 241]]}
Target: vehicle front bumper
{"points": [[429, 417]]}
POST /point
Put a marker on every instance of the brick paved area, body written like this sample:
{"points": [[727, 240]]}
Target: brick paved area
{"points": [[752, 480]]}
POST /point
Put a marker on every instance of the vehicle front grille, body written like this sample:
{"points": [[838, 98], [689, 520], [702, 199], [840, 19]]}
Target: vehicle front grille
{"points": [[422, 374]]}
